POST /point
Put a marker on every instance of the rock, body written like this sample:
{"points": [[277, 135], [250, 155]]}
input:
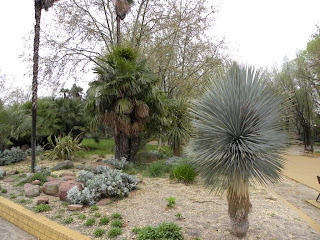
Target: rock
{"points": [[42, 200], [75, 207], [63, 165], [104, 202], [2, 173], [66, 186], [91, 166], [30, 175], [8, 180], [99, 160], [51, 188], [23, 180], [36, 182], [32, 191], [27, 185], [49, 178], [67, 178], [67, 174], [14, 172], [25, 147], [41, 169], [80, 167]]}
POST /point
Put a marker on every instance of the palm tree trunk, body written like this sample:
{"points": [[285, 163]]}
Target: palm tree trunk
{"points": [[134, 147], [239, 207], [38, 8], [117, 146], [118, 31]]}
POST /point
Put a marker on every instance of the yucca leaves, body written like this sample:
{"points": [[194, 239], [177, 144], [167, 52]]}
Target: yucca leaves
{"points": [[238, 132]]}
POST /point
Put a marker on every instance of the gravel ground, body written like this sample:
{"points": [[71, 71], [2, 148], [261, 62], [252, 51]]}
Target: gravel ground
{"points": [[204, 214]]}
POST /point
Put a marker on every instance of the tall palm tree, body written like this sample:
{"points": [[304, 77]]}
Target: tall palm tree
{"points": [[238, 138], [122, 8], [38, 6], [120, 96]]}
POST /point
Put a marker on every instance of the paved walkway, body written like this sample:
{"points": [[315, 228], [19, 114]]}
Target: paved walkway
{"points": [[9, 231], [301, 168]]}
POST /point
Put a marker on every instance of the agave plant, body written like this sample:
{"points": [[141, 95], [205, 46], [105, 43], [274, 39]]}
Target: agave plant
{"points": [[238, 138], [64, 147]]}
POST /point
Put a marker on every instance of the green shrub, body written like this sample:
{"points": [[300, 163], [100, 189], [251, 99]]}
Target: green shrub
{"points": [[171, 201], [162, 231], [13, 196], [116, 215], [90, 221], [158, 168], [42, 208], [58, 216], [82, 216], [117, 223], [94, 208], [64, 147], [97, 214], [136, 230], [113, 232], [98, 232], [183, 172], [4, 190], [104, 221], [68, 220]]}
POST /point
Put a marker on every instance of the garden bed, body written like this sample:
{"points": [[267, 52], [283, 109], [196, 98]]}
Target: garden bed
{"points": [[201, 214]]}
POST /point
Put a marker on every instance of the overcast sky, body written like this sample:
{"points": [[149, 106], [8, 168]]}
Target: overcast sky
{"points": [[258, 32]]}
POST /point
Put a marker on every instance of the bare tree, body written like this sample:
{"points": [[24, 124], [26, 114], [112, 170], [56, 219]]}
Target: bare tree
{"points": [[173, 34]]}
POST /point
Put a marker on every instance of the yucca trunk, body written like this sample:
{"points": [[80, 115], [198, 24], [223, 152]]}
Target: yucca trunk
{"points": [[239, 207], [38, 8]]}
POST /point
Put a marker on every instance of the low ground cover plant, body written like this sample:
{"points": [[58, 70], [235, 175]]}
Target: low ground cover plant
{"points": [[42, 208], [99, 232], [103, 182], [68, 220], [158, 168], [116, 215], [165, 230], [113, 232], [13, 155], [90, 221], [117, 223], [171, 201], [104, 221]]}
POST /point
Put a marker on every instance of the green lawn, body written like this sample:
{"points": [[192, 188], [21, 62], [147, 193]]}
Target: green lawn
{"points": [[106, 146]]}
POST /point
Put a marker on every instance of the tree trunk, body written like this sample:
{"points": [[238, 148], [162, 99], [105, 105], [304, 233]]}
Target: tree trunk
{"points": [[117, 146], [134, 147], [177, 151], [38, 7], [118, 31], [239, 207], [124, 146]]}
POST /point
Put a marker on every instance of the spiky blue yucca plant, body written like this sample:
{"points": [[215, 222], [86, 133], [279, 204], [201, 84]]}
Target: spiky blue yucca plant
{"points": [[238, 138]]}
